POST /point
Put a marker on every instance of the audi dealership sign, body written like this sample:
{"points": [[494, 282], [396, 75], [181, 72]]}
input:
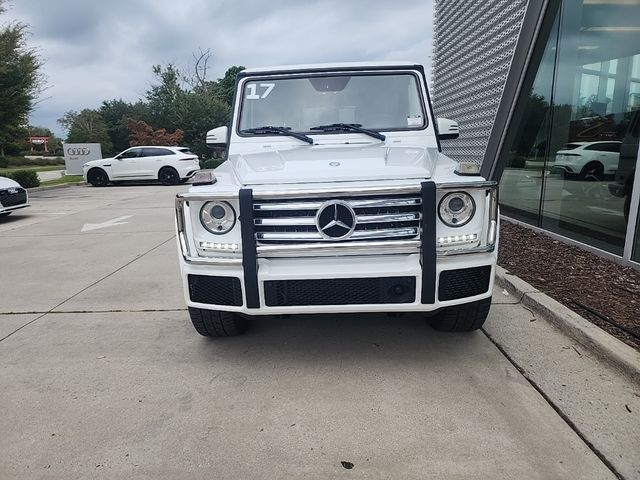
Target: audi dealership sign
{"points": [[77, 154]]}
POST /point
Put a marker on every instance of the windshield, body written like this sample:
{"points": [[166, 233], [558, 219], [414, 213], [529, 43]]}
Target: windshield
{"points": [[372, 101]]}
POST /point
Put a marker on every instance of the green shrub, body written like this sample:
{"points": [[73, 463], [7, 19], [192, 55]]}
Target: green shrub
{"points": [[211, 163], [4, 162], [31, 162], [26, 178]]}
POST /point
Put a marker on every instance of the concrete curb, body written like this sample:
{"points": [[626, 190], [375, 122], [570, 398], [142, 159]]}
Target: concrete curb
{"points": [[53, 187], [606, 346]]}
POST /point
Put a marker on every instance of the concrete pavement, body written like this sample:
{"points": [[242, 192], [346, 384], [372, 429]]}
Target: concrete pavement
{"points": [[602, 404], [102, 375]]}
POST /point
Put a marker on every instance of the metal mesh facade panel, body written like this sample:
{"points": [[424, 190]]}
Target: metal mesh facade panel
{"points": [[473, 49]]}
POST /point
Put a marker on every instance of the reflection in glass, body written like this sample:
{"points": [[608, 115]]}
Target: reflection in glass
{"points": [[572, 165], [583, 197], [521, 181]]}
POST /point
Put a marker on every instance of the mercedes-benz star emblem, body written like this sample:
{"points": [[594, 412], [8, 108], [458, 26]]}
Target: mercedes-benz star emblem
{"points": [[336, 220]]}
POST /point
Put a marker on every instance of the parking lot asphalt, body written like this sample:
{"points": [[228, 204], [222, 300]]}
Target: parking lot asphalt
{"points": [[102, 375]]}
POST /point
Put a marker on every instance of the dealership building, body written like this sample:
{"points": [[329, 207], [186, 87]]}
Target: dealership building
{"points": [[547, 95]]}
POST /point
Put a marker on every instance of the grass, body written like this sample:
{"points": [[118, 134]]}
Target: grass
{"points": [[41, 168], [62, 180]]}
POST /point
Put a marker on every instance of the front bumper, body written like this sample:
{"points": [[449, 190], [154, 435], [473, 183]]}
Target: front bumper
{"points": [[376, 276], [12, 208], [326, 271], [13, 199]]}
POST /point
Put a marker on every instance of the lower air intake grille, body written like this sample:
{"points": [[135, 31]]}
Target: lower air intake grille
{"points": [[340, 291], [463, 283], [215, 290], [13, 196]]}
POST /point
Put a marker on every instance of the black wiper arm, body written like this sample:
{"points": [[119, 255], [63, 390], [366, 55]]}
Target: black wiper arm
{"points": [[349, 127], [271, 130]]}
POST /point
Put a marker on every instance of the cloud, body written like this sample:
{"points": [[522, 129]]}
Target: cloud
{"points": [[99, 50]]}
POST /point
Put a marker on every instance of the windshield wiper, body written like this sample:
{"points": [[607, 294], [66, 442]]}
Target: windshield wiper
{"points": [[349, 127], [270, 130]]}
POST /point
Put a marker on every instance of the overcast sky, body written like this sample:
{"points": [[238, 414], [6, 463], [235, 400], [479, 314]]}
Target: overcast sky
{"points": [[95, 50]]}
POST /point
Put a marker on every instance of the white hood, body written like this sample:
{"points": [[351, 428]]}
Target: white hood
{"points": [[99, 162], [334, 164], [8, 183]]}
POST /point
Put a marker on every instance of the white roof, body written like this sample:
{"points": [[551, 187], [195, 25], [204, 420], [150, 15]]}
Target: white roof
{"points": [[157, 146], [330, 66]]}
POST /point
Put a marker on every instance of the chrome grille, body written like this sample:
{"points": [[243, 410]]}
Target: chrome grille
{"points": [[377, 218]]}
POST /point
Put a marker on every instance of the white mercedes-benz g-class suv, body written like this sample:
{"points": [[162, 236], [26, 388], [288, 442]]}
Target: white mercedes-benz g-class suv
{"points": [[335, 198]]}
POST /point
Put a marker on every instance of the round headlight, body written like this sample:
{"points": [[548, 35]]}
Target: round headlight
{"points": [[456, 209], [217, 217]]}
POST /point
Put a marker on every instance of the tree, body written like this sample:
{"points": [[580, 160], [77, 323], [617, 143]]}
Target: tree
{"points": [[225, 87], [177, 101], [20, 81], [143, 134], [116, 115], [198, 113], [198, 77], [195, 110], [88, 126], [163, 98]]}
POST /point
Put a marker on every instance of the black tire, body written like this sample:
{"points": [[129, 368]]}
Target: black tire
{"points": [[592, 171], [5, 214], [98, 177], [168, 176], [461, 318], [212, 323]]}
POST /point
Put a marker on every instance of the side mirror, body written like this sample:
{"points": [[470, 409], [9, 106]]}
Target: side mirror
{"points": [[448, 129], [217, 137]]}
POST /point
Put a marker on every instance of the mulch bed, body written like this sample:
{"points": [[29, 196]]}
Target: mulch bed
{"points": [[601, 291]]}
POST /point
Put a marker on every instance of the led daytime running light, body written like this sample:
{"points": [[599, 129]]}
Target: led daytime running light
{"points": [[227, 247], [455, 240]]}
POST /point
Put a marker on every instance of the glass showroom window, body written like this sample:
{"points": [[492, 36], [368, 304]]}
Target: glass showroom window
{"points": [[584, 151], [525, 156]]}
